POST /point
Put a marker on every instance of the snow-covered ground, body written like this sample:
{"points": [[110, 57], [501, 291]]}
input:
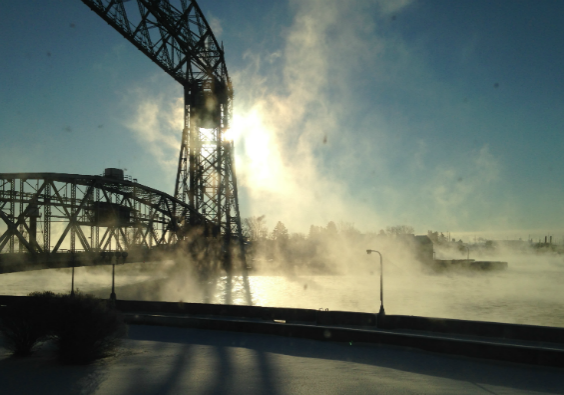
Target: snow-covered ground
{"points": [[161, 360]]}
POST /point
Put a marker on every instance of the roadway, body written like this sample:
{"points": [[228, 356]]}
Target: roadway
{"points": [[165, 360]]}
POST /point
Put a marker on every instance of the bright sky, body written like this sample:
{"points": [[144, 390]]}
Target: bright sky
{"points": [[443, 115]]}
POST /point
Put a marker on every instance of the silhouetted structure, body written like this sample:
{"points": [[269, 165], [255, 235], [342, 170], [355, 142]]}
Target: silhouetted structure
{"points": [[176, 36]]}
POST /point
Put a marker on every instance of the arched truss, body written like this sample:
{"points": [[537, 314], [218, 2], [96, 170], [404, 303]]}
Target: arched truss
{"points": [[59, 220]]}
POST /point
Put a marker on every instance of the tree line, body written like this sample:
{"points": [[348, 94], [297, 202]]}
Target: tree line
{"points": [[324, 249]]}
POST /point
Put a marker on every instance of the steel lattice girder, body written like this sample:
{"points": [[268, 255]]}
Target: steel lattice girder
{"points": [[176, 36], [172, 33], [132, 217]]}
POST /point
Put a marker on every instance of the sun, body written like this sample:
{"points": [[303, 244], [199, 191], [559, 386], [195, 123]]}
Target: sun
{"points": [[259, 159]]}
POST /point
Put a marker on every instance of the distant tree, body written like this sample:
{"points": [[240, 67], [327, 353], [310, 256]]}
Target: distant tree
{"points": [[314, 232], [434, 236], [298, 249], [280, 233], [400, 230], [254, 228], [297, 237], [332, 229], [347, 230], [439, 238]]}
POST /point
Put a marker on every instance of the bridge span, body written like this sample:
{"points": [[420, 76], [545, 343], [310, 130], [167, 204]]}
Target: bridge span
{"points": [[54, 220]]}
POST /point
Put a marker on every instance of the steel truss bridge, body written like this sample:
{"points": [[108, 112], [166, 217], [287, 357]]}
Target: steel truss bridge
{"points": [[65, 220], [59, 220]]}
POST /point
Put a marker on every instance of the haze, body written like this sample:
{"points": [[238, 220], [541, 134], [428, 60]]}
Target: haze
{"points": [[441, 115]]}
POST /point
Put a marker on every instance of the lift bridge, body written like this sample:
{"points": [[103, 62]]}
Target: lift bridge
{"points": [[50, 220], [60, 220]]}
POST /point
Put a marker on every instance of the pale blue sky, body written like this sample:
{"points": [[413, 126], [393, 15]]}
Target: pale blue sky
{"points": [[444, 115]]}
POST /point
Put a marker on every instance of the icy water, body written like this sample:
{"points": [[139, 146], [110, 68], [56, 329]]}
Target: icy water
{"points": [[531, 291]]}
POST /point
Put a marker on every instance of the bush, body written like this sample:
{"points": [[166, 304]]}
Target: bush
{"points": [[83, 327], [27, 322], [86, 328]]}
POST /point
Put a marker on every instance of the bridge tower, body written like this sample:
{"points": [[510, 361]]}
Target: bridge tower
{"points": [[176, 36]]}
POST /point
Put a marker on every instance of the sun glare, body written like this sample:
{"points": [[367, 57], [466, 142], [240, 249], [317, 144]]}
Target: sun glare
{"points": [[229, 135], [261, 161]]}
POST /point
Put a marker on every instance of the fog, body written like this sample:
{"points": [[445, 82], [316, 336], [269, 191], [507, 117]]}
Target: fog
{"points": [[338, 275], [313, 146], [312, 150]]}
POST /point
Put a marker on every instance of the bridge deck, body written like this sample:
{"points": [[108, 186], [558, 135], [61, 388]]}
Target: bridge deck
{"points": [[20, 262]]}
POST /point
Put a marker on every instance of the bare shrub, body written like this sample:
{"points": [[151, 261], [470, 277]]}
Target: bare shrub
{"points": [[27, 322], [86, 328]]}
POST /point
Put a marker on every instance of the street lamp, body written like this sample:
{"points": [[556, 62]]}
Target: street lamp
{"points": [[113, 294], [72, 281], [118, 255], [381, 312]]}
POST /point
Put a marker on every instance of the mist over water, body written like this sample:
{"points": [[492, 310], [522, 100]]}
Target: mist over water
{"points": [[311, 146], [529, 292]]}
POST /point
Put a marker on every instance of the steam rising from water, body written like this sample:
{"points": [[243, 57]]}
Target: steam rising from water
{"points": [[528, 292], [322, 132], [295, 161], [286, 135]]}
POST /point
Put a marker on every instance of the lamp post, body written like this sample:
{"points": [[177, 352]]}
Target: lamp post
{"points": [[118, 255], [113, 294], [468, 253], [381, 312], [72, 281]]}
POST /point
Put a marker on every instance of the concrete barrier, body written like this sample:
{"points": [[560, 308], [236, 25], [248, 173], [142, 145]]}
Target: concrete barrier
{"points": [[265, 313], [483, 339], [475, 328], [470, 348]]}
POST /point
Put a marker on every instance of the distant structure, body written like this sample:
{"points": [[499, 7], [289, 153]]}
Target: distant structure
{"points": [[424, 249]]}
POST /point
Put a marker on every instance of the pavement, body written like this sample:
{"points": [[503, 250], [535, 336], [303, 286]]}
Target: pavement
{"points": [[169, 360], [508, 345]]}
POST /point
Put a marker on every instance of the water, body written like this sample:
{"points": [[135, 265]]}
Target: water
{"points": [[531, 291]]}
